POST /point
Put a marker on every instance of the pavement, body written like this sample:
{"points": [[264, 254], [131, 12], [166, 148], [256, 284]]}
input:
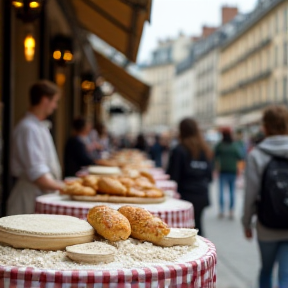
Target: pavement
{"points": [[238, 258]]}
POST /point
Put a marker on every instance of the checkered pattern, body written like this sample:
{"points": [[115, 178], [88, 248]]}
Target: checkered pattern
{"points": [[200, 273], [176, 219]]}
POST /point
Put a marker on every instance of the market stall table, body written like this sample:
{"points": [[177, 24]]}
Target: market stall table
{"points": [[176, 213], [170, 188], [199, 272]]}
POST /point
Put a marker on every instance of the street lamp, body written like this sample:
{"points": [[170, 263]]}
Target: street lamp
{"points": [[88, 83], [29, 47], [28, 10], [62, 50]]}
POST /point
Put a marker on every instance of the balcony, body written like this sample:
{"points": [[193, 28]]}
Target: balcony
{"points": [[247, 82], [248, 54]]}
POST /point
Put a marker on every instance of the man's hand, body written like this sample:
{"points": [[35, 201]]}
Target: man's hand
{"points": [[248, 233], [46, 182]]}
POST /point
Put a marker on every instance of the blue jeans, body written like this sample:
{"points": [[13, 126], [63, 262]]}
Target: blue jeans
{"points": [[272, 252], [229, 179]]}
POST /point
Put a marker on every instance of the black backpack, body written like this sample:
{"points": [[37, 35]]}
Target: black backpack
{"points": [[273, 205]]}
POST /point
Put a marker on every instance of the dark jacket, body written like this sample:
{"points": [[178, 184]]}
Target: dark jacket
{"points": [[192, 175], [76, 156]]}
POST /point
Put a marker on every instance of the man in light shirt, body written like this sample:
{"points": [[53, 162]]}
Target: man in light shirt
{"points": [[34, 160]]}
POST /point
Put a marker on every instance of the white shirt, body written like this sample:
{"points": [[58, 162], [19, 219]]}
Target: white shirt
{"points": [[33, 150]]}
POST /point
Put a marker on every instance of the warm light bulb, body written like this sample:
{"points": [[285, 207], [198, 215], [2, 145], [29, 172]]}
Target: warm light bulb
{"points": [[60, 79], [29, 47], [67, 56], [17, 4], [88, 85], [34, 4], [57, 55]]}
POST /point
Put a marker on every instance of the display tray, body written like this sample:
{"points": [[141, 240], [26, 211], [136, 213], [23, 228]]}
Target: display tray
{"points": [[118, 199], [44, 232]]}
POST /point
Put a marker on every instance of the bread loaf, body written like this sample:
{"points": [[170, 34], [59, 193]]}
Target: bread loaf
{"points": [[109, 223], [78, 189], [144, 226], [91, 181], [111, 186]]}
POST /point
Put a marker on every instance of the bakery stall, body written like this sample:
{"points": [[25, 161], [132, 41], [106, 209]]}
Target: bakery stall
{"points": [[128, 247], [128, 181]]}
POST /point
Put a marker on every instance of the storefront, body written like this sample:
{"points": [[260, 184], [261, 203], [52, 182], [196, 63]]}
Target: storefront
{"points": [[119, 24]]}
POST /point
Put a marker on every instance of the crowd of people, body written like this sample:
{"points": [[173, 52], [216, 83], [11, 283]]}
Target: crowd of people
{"points": [[187, 158]]}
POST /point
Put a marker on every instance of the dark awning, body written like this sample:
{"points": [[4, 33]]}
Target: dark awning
{"points": [[117, 22], [128, 86]]}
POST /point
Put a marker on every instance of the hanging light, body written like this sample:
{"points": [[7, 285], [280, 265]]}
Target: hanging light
{"points": [[28, 10], [88, 82], [62, 50], [29, 47]]}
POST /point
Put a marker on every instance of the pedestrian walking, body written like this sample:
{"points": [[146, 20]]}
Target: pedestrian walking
{"points": [[156, 152], [266, 196], [190, 165], [141, 143], [77, 153], [34, 161], [227, 156]]}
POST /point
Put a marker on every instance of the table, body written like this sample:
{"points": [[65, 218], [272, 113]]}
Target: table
{"points": [[199, 273], [169, 186], [176, 213]]}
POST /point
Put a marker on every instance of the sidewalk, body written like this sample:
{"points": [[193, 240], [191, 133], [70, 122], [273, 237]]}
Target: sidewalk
{"points": [[238, 259]]}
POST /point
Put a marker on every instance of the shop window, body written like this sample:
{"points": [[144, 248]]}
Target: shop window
{"points": [[276, 56], [275, 98]]}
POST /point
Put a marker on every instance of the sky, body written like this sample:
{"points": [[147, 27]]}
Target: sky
{"points": [[169, 17]]}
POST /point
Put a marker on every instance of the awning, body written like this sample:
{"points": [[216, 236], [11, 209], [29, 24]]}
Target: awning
{"points": [[127, 86], [117, 22], [251, 118]]}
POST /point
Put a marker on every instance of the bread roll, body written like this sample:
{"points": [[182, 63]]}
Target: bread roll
{"points": [[126, 181], [109, 223], [154, 193], [135, 192], [91, 181], [143, 183], [111, 186], [148, 176], [144, 226], [78, 190]]}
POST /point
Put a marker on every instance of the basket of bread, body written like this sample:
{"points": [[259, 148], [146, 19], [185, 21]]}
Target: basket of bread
{"points": [[131, 186]]}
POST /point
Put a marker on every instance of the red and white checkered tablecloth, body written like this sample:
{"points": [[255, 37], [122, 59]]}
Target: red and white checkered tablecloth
{"points": [[170, 187], [176, 213], [200, 273]]}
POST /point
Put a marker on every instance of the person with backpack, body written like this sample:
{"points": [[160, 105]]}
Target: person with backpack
{"points": [[190, 165], [266, 196]]}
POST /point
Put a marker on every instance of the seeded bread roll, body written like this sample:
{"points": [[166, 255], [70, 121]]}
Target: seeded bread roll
{"points": [[111, 186], [144, 226], [109, 223]]}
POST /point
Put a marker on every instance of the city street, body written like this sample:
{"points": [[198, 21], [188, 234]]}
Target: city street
{"points": [[238, 259]]}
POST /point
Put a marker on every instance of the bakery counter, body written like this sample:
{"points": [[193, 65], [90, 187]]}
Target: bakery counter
{"points": [[194, 268], [176, 213]]}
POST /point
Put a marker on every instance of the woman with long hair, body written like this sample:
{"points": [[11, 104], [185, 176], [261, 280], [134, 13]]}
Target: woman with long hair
{"points": [[190, 165], [227, 156]]}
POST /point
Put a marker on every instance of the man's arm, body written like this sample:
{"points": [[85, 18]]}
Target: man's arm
{"points": [[45, 182]]}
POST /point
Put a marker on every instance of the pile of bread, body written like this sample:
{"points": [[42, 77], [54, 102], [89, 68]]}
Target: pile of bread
{"points": [[131, 159], [130, 183], [127, 221]]}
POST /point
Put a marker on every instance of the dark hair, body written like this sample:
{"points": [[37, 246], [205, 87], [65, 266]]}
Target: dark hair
{"points": [[79, 124], [191, 138], [227, 136], [40, 89], [275, 120]]}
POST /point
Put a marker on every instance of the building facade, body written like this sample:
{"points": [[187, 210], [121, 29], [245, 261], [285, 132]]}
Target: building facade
{"points": [[183, 91], [159, 73], [206, 55], [254, 64]]}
